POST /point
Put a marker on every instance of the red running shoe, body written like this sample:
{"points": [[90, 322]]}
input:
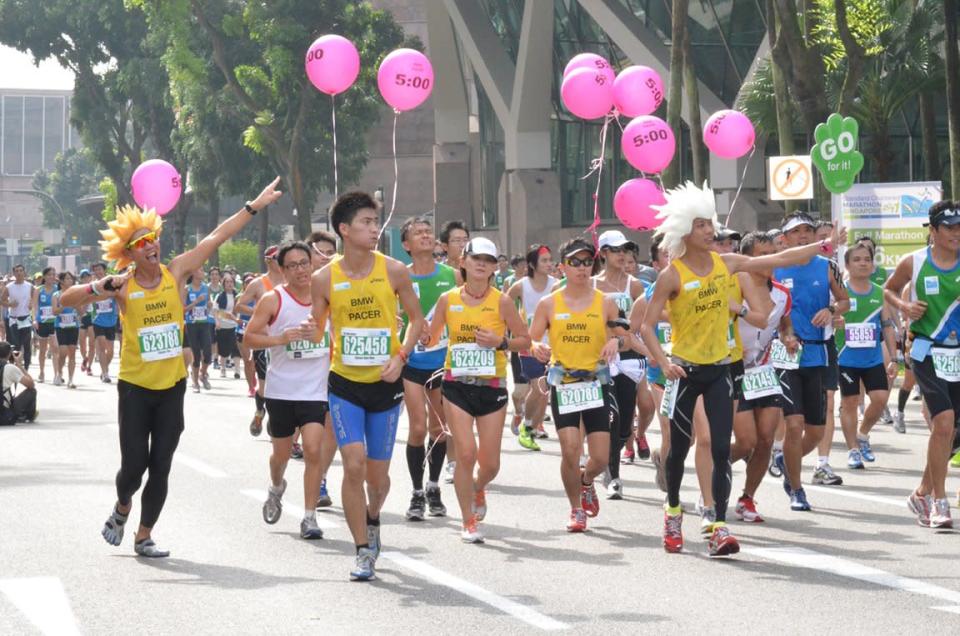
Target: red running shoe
{"points": [[589, 500], [722, 543], [628, 455], [747, 510], [643, 449], [578, 521], [672, 534]]}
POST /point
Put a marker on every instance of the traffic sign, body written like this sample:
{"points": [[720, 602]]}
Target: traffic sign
{"points": [[791, 178]]}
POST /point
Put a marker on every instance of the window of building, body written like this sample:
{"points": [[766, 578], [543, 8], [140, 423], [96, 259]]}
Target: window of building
{"points": [[12, 135]]}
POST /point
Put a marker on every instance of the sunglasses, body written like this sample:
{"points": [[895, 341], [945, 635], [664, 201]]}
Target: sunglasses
{"points": [[614, 250], [580, 262], [138, 243]]}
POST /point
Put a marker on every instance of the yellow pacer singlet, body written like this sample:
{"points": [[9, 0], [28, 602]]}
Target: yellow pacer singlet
{"points": [[363, 317], [464, 357], [733, 330], [577, 338], [152, 353], [700, 314]]}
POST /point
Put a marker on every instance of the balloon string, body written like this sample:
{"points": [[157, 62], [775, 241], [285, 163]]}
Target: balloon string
{"points": [[596, 166], [736, 196], [396, 176], [333, 112]]}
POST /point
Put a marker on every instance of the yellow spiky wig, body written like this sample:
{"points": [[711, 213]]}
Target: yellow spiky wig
{"points": [[129, 221], [684, 204]]}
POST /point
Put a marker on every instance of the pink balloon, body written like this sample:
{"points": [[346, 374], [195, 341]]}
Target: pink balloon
{"points": [[638, 90], [156, 185], [592, 61], [648, 143], [405, 79], [729, 134], [332, 64], [632, 204], [587, 93]]}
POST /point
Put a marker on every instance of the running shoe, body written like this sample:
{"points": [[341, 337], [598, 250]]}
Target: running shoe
{"points": [[434, 503], [273, 506], [526, 439], [256, 424], [471, 533], [865, 450], [615, 489], [196, 388], [672, 532], [643, 448], [216, 365], [205, 381], [774, 469], [373, 539], [89, 371], [418, 506], [540, 432], [747, 510], [920, 506], [781, 465], [589, 500], [578, 521], [324, 500], [708, 518], [798, 501], [236, 375], [661, 475], [899, 425], [940, 514], [105, 378], [825, 476], [885, 416], [450, 468], [515, 425], [854, 460], [607, 475], [296, 451], [364, 568], [309, 529], [628, 455], [57, 381], [479, 504], [722, 543], [955, 460]]}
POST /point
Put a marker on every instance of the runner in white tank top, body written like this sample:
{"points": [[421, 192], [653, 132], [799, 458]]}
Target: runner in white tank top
{"points": [[297, 370]]}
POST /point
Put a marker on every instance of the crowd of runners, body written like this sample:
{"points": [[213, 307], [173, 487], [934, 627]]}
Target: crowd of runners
{"points": [[735, 345]]}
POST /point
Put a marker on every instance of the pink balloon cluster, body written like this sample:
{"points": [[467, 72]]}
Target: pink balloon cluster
{"points": [[156, 185], [591, 89], [729, 134]]}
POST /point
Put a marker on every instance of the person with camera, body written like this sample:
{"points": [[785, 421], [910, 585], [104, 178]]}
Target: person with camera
{"points": [[22, 406]]}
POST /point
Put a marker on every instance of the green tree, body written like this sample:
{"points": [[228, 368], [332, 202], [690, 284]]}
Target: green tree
{"points": [[74, 175], [951, 14], [241, 254]]}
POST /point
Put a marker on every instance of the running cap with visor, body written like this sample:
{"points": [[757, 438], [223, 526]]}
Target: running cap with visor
{"points": [[271, 252], [944, 213], [579, 245], [796, 220], [614, 238], [480, 246], [725, 234]]}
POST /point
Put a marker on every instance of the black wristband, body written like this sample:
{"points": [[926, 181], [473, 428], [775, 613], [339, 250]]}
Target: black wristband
{"points": [[504, 344], [108, 285], [249, 208]]}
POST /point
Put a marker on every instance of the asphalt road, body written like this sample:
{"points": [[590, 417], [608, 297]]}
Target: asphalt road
{"points": [[858, 563]]}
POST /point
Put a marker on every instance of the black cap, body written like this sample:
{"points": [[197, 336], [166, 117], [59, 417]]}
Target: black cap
{"points": [[725, 233], [944, 213]]}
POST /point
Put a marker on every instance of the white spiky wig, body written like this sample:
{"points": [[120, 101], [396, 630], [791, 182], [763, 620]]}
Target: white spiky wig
{"points": [[684, 204]]}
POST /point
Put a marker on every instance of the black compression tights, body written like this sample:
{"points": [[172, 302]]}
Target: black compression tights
{"points": [[150, 427], [902, 398], [626, 392], [713, 382]]}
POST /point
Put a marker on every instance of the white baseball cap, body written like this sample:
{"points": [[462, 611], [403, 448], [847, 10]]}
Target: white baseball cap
{"points": [[613, 238], [481, 247]]}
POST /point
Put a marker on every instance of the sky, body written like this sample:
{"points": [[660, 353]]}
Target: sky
{"points": [[18, 71]]}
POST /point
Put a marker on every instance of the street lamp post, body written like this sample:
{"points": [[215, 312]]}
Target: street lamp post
{"points": [[63, 220]]}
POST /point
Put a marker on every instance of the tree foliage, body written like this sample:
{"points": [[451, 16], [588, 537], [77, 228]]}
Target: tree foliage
{"points": [[74, 175]]}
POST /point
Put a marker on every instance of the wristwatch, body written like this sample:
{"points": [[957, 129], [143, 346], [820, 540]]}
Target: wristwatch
{"points": [[743, 311], [249, 208], [504, 344], [832, 309]]}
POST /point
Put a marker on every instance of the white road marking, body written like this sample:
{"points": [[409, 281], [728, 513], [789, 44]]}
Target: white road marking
{"points": [[505, 605], [291, 509], [199, 466], [952, 610], [44, 602], [843, 491], [802, 557]]}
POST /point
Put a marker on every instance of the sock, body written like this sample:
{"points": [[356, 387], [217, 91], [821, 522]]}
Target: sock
{"points": [[432, 485], [902, 398], [861, 436], [276, 490], [261, 403], [311, 515], [673, 511], [362, 545], [437, 454], [778, 445], [415, 457], [823, 460], [527, 425], [373, 522]]}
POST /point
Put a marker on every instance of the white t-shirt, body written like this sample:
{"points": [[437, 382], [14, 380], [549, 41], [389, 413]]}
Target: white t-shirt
{"points": [[11, 375]]}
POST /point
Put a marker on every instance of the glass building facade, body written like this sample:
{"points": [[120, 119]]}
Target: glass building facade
{"points": [[34, 129]]}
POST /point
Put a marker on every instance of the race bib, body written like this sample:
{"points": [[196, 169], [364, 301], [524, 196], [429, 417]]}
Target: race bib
{"points": [[46, 314], [946, 363], [472, 360], [198, 313], [669, 401], [160, 342], [731, 339], [760, 382], [665, 332], [579, 396], [860, 335], [104, 306], [365, 347], [307, 349], [781, 359], [68, 320]]}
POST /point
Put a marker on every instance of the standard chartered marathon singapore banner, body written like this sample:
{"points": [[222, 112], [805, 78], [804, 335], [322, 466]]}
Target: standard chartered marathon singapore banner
{"points": [[892, 214]]}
